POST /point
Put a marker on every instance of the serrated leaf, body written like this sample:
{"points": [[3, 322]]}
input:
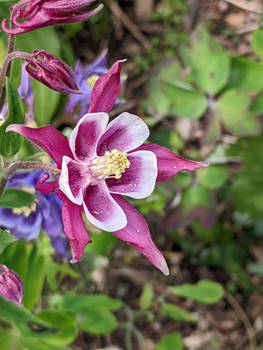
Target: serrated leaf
{"points": [[185, 103], [257, 42], [205, 291], [246, 74], [213, 176], [15, 198], [10, 142], [177, 313], [5, 240], [172, 341], [209, 63]]}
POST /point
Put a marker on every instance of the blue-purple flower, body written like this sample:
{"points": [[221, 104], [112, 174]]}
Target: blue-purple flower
{"points": [[86, 78], [44, 213]]}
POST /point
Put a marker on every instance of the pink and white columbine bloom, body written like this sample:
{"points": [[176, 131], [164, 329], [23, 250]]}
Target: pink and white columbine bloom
{"points": [[102, 162]]}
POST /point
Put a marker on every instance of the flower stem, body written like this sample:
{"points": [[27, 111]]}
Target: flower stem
{"points": [[12, 168]]}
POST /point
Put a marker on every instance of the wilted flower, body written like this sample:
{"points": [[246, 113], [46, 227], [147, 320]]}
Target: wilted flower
{"points": [[28, 15], [11, 285], [86, 78], [52, 72], [100, 163], [44, 212]]}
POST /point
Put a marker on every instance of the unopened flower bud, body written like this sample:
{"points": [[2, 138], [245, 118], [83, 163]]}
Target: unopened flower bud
{"points": [[28, 15], [11, 285], [52, 72]]}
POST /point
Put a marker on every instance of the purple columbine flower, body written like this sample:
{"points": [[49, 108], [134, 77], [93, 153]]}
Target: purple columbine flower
{"points": [[86, 78], [28, 15], [26, 93], [100, 163], [44, 212], [11, 285]]}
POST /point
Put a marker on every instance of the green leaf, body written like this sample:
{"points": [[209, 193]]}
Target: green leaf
{"points": [[195, 196], [246, 74], [157, 98], [257, 106], [65, 320], [95, 311], [177, 313], [28, 324], [233, 110], [248, 182], [6, 339], [172, 341], [34, 344], [34, 280], [257, 42], [14, 198], [209, 62], [5, 240], [78, 303], [10, 142], [204, 291], [185, 103], [16, 257], [146, 297], [213, 176], [99, 321]]}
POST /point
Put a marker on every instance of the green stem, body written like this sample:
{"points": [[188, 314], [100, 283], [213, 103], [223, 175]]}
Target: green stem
{"points": [[12, 168]]}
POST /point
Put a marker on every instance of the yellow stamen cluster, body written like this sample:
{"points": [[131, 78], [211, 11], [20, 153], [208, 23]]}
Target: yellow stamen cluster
{"points": [[26, 211], [92, 80], [112, 165]]}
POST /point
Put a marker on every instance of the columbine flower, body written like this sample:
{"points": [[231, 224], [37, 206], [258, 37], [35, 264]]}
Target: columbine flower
{"points": [[100, 163], [11, 285], [44, 212], [28, 15], [86, 78], [26, 93]]}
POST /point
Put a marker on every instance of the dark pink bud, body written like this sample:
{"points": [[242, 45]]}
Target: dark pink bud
{"points": [[11, 285], [28, 15], [52, 72]]}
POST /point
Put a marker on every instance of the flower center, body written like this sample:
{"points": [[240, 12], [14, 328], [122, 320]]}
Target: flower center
{"points": [[112, 165], [26, 211], [92, 80]]}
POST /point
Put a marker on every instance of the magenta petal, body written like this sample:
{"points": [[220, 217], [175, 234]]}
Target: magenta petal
{"points": [[102, 210], [74, 229], [137, 234], [169, 163], [46, 187], [106, 90], [138, 181], [84, 138], [124, 133], [72, 181], [46, 137]]}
